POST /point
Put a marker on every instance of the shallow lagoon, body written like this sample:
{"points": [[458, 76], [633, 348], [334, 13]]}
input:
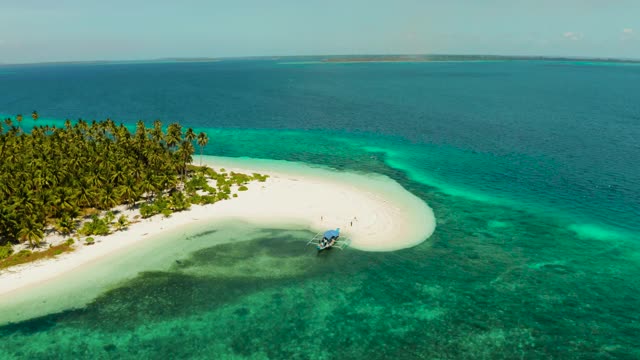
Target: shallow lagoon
{"points": [[271, 297]]}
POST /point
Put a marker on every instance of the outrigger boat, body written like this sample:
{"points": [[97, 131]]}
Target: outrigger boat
{"points": [[329, 239]]}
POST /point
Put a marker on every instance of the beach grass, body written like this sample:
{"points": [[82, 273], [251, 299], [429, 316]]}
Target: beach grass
{"points": [[26, 256]]}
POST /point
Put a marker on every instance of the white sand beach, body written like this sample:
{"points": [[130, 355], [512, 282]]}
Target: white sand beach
{"points": [[375, 212]]}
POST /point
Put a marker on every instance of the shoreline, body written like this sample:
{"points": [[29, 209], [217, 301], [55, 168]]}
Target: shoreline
{"points": [[375, 212]]}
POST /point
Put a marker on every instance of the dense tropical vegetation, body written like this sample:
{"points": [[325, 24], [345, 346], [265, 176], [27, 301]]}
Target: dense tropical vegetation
{"points": [[68, 179]]}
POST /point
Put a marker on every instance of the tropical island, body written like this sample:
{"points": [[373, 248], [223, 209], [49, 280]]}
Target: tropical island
{"points": [[462, 58], [96, 197]]}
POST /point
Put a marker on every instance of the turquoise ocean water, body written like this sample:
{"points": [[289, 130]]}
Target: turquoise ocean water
{"points": [[531, 168]]}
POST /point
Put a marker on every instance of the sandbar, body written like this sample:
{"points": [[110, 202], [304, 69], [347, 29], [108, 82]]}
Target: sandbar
{"points": [[375, 212]]}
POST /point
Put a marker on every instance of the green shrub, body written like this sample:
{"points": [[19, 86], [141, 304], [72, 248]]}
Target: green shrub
{"points": [[235, 195], [179, 202], [147, 210], [96, 226], [210, 189], [23, 253], [196, 183], [65, 225], [160, 203], [221, 181], [260, 177], [70, 241], [122, 222], [240, 179], [208, 199], [210, 172], [102, 230], [6, 251], [167, 212], [195, 199], [243, 188], [109, 216], [85, 229], [89, 240]]}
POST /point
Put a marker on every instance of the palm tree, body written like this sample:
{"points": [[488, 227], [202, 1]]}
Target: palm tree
{"points": [[34, 115], [8, 221], [164, 181], [85, 194], [128, 192], [64, 201], [66, 225], [31, 233], [203, 140], [174, 135], [19, 120], [156, 133], [147, 186], [189, 135], [108, 198], [119, 174], [141, 131], [184, 154]]}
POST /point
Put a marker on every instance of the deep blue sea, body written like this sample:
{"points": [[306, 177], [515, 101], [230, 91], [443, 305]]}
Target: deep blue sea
{"points": [[532, 169]]}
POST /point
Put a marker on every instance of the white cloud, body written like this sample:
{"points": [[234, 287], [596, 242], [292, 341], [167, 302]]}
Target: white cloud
{"points": [[570, 35], [627, 34]]}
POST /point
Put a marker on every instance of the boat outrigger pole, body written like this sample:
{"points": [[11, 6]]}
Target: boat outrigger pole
{"points": [[329, 239]]}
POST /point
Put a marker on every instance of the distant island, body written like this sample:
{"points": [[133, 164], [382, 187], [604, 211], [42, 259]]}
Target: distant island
{"points": [[436, 58], [109, 62], [343, 59]]}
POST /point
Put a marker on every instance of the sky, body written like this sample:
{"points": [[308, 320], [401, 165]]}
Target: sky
{"points": [[84, 30]]}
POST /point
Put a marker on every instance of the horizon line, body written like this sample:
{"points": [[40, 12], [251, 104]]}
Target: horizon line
{"points": [[249, 57]]}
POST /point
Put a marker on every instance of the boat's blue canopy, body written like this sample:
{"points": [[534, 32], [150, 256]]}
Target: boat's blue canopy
{"points": [[332, 233]]}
